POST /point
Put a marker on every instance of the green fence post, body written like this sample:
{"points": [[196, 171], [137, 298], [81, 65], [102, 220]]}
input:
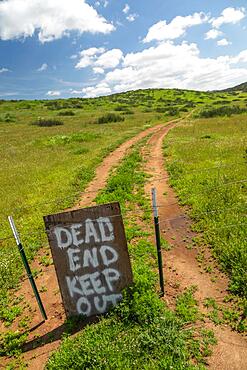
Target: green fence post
{"points": [[27, 267], [158, 244]]}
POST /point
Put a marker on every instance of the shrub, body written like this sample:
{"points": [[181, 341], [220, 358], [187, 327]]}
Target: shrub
{"points": [[66, 113], [161, 109], [8, 118], [172, 111], [121, 108], [110, 117], [128, 111], [221, 111], [47, 122]]}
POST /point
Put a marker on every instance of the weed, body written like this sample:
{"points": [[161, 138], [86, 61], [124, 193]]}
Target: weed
{"points": [[46, 261], [186, 306], [47, 122], [9, 313], [67, 113], [165, 245], [221, 111], [110, 117], [43, 289], [202, 172], [11, 342]]}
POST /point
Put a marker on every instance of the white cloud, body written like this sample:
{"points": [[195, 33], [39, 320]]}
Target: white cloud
{"points": [[52, 19], [212, 34], [53, 93], [132, 17], [93, 91], [229, 15], [91, 52], [176, 28], [223, 42], [99, 59], [3, 70], [126, 9], [88, 56], [172, 66], [110, 59], [240, 58], [43, 67], [98, 70]]}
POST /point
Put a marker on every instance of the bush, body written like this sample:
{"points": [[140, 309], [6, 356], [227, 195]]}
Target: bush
{"points": [[66, 113], [172, 111], [121, 108], [161, 109], [221, 111], [8, 118], [128, 111], [110, 117], [47, 122]]}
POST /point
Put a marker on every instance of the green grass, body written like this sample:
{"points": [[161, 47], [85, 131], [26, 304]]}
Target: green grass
{"points": [[43, 171], [140, 333], [207, 164]]}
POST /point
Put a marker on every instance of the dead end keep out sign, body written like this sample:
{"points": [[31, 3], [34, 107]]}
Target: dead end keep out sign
{"points": [[91, 258]]}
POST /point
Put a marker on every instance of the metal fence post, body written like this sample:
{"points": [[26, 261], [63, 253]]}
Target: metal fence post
{"points": [[158, 244], [27, 267]]}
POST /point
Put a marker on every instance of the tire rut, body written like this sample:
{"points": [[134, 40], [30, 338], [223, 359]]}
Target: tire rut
{"points": [[181, 268], [36, 355]]}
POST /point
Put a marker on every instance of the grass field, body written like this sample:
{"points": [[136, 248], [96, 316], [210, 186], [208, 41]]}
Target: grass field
{"points": [[45, 167], [207, 163], [140, 333]]}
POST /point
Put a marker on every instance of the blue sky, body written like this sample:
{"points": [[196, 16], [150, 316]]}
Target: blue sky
{"points": [[61, 48]]}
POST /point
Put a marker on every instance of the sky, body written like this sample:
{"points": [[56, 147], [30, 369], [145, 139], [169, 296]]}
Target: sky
{"points": [[86, 48]]}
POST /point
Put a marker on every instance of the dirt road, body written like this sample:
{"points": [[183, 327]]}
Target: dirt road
{"points": [[181, 268], [51, 331]]}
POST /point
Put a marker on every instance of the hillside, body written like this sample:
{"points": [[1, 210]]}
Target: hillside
{"points": [[58, 154], [242, 87]]}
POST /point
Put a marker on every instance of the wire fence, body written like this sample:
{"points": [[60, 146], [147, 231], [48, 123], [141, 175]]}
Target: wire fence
{"points": [[70, 198], [219, 181], [139, 212]]}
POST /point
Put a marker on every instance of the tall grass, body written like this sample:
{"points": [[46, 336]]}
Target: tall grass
{"points": [[43, 171], [207, 163]]}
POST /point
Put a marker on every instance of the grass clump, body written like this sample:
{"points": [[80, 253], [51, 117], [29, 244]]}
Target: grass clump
{"points": [[47, 122], [110, 117], [7, 118], [210, 177], [224, 110], [80, 137], [67, 113], [11, 342]]}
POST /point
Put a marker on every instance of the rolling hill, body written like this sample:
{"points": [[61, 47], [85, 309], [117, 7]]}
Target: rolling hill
{"points": [[241, 87]]}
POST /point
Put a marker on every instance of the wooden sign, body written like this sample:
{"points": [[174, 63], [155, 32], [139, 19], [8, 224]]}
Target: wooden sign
{"points": [[91, 258]]}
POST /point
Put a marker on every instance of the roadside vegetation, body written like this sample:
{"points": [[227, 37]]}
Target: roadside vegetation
{"points": [[207, 164], [44, 169], [140, 333]]}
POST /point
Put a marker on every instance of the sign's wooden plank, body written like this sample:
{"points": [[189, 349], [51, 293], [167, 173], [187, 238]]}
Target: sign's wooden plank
{"points": [[90, 254]]}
